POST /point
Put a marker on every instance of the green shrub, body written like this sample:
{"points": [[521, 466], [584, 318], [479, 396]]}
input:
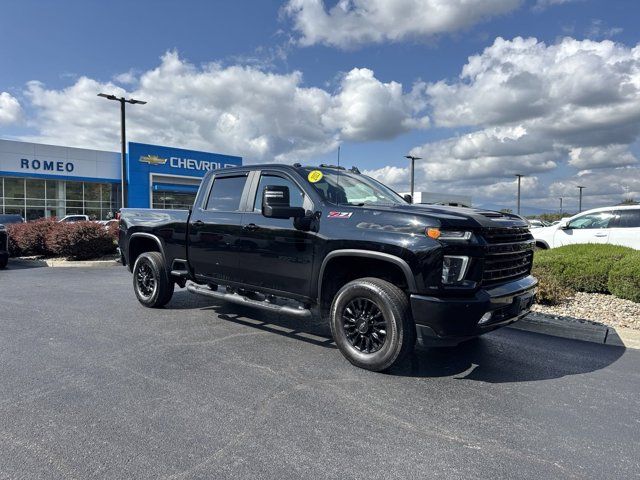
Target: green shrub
{"points": [[550, 290], [583, 268], [624, 278], [80, 240]]}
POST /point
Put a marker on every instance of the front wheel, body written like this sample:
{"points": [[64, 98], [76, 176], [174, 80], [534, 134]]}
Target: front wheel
{"points": [[371, 323], [151, 284]]}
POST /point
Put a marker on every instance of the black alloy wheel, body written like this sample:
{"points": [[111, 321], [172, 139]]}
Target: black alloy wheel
{"points": [[145, 280], [364, 325], [152, 283], [371, 323]]}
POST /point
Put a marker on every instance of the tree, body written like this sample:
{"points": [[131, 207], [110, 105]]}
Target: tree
{"points": [[506, 210]]}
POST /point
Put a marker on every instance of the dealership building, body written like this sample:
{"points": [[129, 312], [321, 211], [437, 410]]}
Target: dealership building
{"points": [[38, 180]]}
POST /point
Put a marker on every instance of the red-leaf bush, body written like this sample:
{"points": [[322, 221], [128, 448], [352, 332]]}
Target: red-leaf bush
{"points": [[80, 240], [30, 238]]}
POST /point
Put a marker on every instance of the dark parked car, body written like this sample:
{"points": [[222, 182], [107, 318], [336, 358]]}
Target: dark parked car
{"points": [[6, 219], [4, 246], [342, 246]]}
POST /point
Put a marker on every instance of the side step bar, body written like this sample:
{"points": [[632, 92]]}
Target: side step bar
{"points": [[240, 300]]}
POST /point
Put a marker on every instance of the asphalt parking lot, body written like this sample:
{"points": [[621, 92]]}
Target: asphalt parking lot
{"points": [[92, 385]]}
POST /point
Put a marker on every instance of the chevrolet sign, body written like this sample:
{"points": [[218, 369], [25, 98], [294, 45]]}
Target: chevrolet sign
{"points": [[153, 160]]}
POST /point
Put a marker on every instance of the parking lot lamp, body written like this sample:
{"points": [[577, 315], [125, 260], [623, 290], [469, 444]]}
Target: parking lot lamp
{"points": [[560, 206], [580, 187], [519, 178], [123, 140], [412, 167]]}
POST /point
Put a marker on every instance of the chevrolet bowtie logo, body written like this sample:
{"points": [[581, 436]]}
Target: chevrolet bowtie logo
{"points": [[153, 160]]}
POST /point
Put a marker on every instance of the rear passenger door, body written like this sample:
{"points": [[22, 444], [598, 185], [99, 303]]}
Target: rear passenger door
{"points": [[215, 228], [625, 229]]}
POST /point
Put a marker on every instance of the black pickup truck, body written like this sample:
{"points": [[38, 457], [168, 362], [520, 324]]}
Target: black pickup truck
{"points": [[337, 244]]}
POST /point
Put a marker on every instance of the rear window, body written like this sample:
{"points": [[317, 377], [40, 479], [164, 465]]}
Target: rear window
{"points": [[628, 218], [226, 193]]}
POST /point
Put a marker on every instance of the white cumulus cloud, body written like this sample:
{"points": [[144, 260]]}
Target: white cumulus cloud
{"points": [[536, 108], [239, 110], [10, 109], [355, 22]]}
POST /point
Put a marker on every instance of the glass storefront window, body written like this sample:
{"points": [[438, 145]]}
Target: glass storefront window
{"points": [[34, 198], [74, 191], [173, 200], [13, 189]]}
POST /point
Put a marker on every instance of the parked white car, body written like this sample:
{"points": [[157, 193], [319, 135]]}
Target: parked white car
{"points": [[74, 218], [615, 225]]}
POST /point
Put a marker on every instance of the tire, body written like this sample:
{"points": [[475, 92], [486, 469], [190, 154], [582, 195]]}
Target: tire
{"points": [[3, 262], [365, 346], [151, 284]]}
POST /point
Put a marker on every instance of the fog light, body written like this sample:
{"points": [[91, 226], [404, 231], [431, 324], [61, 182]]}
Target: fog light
{"points": [[454, 268], [485, 318]]}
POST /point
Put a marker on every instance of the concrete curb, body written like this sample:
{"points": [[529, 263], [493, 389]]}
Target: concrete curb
{"points": [[576, 330], [64, 263]]}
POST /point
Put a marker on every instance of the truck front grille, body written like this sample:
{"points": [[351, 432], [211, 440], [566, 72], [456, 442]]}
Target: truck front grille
{"points": [[509, 254]]}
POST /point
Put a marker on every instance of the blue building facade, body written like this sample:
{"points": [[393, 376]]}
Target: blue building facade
{"points": [[167, 177]]}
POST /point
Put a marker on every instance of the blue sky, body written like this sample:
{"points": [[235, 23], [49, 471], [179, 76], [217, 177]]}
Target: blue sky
{"points": [[347, 59]]}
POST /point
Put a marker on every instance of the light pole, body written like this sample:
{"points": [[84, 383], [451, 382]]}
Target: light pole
{"points": [[413, 161], [560, 206], [580, 187], [519, 177], [123, 140]]}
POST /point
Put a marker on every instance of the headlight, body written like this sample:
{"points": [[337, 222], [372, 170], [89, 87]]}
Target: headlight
{"points": [[454, 268], [454, 235]]}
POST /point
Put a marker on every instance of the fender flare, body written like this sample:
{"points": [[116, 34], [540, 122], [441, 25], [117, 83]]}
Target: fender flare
{"points": [[352, 252], [144, 235]]}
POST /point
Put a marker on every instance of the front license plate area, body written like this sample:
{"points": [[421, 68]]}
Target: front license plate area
{"points": [[524, 302]]}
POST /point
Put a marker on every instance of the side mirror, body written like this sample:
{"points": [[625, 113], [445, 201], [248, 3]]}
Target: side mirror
{"points": [[276, 203], [564, 226], [407, 198]]}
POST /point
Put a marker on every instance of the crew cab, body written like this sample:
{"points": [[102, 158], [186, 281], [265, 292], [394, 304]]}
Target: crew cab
{"points": [[337, 244]]}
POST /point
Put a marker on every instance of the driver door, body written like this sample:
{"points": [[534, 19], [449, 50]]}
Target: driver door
{"points": [[275, 254]]}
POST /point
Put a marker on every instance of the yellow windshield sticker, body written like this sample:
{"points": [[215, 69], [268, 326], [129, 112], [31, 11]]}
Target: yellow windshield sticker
{"points": [[314, 176]]}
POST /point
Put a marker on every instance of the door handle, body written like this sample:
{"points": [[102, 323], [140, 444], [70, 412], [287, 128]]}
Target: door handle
{"points": [[198, 223], [600, 235], [250, 227]]}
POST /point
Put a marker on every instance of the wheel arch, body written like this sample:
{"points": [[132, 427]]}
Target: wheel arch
{"points": [[542, 244], [396, 263], [141, 242]]}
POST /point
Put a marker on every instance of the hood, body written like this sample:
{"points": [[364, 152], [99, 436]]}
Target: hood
{"points": [[453, 217]]}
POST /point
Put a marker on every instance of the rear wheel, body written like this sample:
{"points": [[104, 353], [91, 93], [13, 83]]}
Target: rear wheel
{"points": [[3, 262], [371, 323], [151, 284]]}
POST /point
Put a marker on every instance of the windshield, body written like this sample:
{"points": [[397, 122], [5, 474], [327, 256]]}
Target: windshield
{"points": [[345, 188]]}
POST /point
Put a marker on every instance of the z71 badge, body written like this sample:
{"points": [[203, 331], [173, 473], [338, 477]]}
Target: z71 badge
{"points": [[339, 214]]}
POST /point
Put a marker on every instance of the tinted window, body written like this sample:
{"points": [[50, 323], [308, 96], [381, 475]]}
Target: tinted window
{"points": [[592, 220], [296, 197], [628, 218], [225, 193]]}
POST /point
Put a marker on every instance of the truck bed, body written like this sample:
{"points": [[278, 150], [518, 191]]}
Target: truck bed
{"points": [[169, 226]]}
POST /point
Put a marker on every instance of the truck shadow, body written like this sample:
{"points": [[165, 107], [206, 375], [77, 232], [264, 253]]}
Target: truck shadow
{"points": [[504, 356]]}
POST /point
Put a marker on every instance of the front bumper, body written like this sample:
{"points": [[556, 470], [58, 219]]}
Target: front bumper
{"points": [[449, 321]]}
